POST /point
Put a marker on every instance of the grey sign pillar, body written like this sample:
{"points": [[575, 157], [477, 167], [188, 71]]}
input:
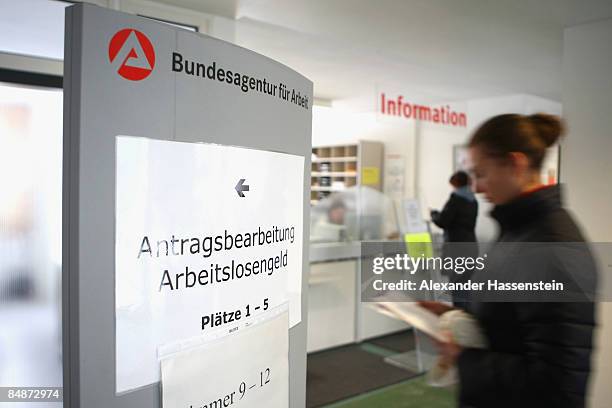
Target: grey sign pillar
{"points": [[140, 91]]}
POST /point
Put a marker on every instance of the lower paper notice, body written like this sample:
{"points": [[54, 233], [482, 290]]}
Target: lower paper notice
{"points": [[247, 369]]}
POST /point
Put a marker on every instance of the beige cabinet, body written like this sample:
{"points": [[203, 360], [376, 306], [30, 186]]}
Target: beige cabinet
{"points": [[336, 168]]}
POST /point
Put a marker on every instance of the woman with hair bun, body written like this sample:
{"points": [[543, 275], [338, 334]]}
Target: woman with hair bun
{"points": [[539, 352]]}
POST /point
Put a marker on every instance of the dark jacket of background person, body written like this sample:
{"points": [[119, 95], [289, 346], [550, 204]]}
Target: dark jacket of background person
{"points": [[457, 218], [539, 353]]}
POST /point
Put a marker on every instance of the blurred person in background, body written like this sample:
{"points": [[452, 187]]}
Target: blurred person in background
{"points": [[353, 214], [539, 353], [458, 216], [458, 220], [336, 211]]}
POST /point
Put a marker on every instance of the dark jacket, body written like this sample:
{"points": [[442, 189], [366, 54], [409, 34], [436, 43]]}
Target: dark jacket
{"points": [[539, 352], [457, 219]]}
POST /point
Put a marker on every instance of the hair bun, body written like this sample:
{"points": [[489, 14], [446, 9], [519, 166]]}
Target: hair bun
{"points": [[549, 127]]}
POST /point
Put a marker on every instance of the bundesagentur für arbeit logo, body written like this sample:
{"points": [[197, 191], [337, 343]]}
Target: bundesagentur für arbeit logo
{"points": [[131, 54]]}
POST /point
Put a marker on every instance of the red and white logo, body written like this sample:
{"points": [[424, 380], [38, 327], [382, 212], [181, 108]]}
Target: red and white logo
{"points": [[131, 54]]}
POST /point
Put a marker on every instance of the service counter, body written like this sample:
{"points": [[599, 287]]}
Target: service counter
{"points": [[336, 315]]}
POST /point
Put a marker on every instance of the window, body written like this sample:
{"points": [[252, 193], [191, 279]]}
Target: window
{"points": [[30, 236], [33, 27]]}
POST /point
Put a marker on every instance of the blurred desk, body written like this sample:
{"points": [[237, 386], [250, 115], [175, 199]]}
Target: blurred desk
{"points": [[334, 251], [336, 315]]}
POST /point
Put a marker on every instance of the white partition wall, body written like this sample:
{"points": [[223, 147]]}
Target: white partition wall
{"points": [[586, 166]]}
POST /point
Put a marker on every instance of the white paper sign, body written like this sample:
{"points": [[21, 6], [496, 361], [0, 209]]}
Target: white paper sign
{"points": [[248, 369], [206, 236], [412, 215]]}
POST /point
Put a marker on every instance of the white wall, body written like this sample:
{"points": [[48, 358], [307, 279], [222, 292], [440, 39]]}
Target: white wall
{"points": [[426, 147], [340, 125], [585, 162]]}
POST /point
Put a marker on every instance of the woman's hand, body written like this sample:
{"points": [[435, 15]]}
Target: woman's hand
{"points": [[437, 308], [448, 350]]}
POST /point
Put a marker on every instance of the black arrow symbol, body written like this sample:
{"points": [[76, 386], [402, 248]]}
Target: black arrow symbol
{"points": [[240, 187]]}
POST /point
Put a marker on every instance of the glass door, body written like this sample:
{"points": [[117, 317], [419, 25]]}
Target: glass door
{"points": [[30, 238]]}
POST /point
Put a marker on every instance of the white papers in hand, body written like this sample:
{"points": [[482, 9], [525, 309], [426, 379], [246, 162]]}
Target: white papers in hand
{"points": [[413, 314]]}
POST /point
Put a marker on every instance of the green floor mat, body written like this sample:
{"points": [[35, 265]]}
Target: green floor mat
{"points": [[414, 393]]}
